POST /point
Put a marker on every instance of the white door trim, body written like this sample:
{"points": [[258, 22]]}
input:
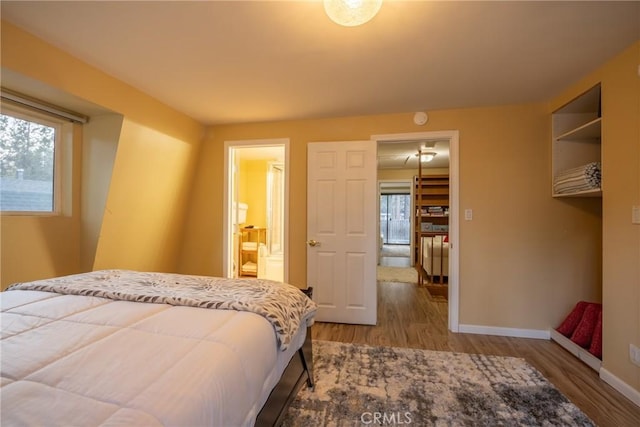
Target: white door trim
{"points": [[226, 205], [454, 210]]}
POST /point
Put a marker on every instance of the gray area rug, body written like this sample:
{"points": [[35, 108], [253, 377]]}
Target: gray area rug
{"points": [[360, 385]]}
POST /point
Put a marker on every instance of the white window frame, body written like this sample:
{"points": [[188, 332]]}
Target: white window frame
{"points": [[60, 127]]}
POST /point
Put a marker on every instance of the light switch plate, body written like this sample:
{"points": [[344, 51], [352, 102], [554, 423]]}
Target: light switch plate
{"points": [[635, 214], [634, 354], [468, 214]]}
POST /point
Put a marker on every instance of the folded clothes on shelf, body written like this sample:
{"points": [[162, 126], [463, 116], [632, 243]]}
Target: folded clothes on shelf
{"points": [[581, 178]]}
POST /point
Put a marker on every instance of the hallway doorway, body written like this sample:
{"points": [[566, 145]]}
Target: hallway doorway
{"points": [[399, 158]]}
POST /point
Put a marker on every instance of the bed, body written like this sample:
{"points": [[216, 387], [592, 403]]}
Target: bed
{"points": [[435, 255], [119, 347]]}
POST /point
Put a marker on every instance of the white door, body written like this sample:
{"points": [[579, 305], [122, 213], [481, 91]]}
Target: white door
{"points": [[341, 230]]}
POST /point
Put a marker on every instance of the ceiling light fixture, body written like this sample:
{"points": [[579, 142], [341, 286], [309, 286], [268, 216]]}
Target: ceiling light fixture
{"points": [[351, 13], [426, 157]]}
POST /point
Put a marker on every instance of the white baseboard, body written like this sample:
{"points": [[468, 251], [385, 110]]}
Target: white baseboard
{"points": [[541, 334], [579, 352], [625, 389]]}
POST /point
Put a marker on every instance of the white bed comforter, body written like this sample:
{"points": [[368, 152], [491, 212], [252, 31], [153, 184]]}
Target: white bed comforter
{"points": [[72, 360], [284, 305]]}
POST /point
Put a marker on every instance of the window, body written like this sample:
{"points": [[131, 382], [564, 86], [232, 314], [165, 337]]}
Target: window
{"points": [[395, 215], [28, 162]]}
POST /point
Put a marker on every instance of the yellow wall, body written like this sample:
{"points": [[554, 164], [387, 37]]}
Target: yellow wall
{"points": [[395, 174], [621, 246], [513, 253], [151, 131], [253, 190], [142, 224], [621, 190], [99, 146]]}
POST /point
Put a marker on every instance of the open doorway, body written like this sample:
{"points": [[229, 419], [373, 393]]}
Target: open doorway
{"points": [[256, 206], [399, 157], [395, 223]]}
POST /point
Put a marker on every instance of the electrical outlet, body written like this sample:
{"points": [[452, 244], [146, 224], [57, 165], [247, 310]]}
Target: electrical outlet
{"points": [[634, 354]]}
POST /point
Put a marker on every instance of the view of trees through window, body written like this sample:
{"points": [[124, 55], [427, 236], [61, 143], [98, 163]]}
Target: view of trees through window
{"points": [[26, 165], [395, 214]]}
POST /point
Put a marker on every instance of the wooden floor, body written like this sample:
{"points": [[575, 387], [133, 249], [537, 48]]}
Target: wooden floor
{"points": [[409, 317]]}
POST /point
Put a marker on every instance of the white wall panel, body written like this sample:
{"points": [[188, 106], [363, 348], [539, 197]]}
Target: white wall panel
{"points": [[355, 263], [325, 295], [355, 214], [326, 197]]}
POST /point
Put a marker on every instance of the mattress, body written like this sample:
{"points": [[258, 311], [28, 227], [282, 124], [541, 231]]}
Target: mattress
{"points": [[433, 246], [435, 255], [87, 360]]}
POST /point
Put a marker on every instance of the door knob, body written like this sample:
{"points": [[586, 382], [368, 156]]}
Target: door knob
{"points": [[313, 242]]}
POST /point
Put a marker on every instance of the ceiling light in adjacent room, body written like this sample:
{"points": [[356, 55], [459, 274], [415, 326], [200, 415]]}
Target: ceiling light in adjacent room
{"points": [[351, 13], [426, 157]]}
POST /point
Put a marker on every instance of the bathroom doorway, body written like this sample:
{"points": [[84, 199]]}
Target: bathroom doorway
{"points": [[256, 203]]}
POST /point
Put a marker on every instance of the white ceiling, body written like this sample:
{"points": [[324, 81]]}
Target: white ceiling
{"points": [[403, 155], [247, 61]]}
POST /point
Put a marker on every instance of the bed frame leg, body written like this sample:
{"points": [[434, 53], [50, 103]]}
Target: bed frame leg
{"points": [[307, 359], [306, 352]]}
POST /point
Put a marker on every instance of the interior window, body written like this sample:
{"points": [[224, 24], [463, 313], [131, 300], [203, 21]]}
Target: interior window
{"points": [[28, 162]]}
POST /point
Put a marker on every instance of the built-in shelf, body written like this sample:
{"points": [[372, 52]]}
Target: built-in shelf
{"points": [[596, 192], [573, 348], [431, 192], [576, 144], [577, 129], [251, 238], [590, 130]]}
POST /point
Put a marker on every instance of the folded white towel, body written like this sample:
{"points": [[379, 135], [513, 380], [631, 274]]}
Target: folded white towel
{"points": [[250, 266], [250, 246]]}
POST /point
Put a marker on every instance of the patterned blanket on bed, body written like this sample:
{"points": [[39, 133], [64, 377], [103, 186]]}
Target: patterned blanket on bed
{"points": [[284, 305]]}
